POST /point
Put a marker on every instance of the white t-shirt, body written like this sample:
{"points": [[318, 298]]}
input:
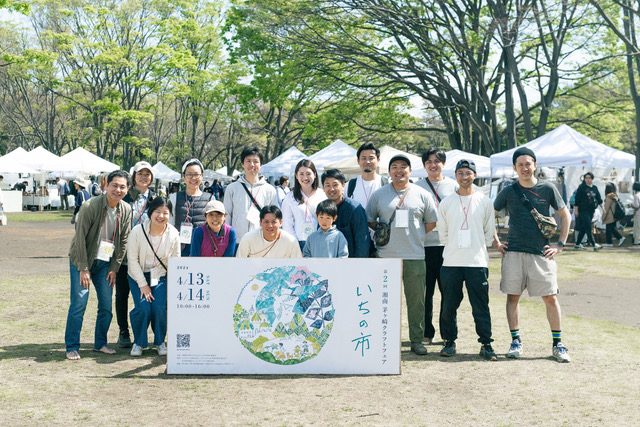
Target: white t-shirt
{"points": [[254, 245], [479, 223], [364, 189]]}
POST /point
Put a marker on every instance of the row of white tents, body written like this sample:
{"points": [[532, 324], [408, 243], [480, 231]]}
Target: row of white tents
{"points": [[562, 147]]}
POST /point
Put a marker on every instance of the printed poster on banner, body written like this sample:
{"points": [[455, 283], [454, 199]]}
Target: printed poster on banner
{"points": [[283, 316]]}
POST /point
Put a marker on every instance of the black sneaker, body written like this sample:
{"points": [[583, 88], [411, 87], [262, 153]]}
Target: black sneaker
{"points": [[487, 353], [124, 341], [418, 349], [449, 349]]}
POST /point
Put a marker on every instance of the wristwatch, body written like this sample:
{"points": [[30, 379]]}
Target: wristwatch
{"points": [[560, 244]]}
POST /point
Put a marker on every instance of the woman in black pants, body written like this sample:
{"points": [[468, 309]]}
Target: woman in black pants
{"points": [[139, 196], [587, 200], [608, 219]]}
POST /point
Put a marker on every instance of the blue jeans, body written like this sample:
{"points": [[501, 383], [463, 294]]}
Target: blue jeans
{"points": [[79, 296], [146, 312]]}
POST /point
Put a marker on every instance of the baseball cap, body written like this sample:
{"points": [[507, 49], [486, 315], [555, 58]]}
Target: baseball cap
{"points": [[464, 163], [214, 206], [400, 157]]}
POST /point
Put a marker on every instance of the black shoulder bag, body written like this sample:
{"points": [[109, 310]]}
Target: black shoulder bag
{"points": [[154, 252], [546, 224], [433, 189], [250, 196]]}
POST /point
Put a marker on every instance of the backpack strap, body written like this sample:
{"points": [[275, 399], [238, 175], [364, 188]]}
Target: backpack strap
{"points": [[351, 187]]}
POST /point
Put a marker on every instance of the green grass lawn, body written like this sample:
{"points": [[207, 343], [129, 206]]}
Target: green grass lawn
{"points": [[43, 216]]}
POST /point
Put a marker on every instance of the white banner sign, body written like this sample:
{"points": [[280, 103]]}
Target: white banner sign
{"points": [[283, 316]]}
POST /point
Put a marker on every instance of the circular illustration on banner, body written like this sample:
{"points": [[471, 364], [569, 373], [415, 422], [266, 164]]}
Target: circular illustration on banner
{"points": [[284, 315]]}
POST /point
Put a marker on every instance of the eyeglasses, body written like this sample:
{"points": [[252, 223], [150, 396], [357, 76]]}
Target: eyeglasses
{"points": [[192, 175]]}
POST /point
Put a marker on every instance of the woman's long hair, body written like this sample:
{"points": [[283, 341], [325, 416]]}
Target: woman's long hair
{"points": [[297, 188]]}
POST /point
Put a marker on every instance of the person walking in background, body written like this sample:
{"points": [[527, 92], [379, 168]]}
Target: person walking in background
{"points": [[587, 200], [608, 219], [97, 250], [439, 187], [282, 189], [138, 197], [214, 238], [82, 195], [527, 256], [188, 205], [248, 194], [63, 191], [218, 191], [151, 244], [636, 213], [299, 206]]}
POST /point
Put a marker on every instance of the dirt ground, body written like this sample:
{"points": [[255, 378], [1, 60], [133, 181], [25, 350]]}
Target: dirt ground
{"points": [[42, 248], [39, 387]]}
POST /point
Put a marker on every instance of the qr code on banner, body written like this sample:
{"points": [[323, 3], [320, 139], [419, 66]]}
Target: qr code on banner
{"points": [[183, 340]]}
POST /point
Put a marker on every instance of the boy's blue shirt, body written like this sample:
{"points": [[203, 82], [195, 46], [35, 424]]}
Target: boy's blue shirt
{"points": [[326, 244]]}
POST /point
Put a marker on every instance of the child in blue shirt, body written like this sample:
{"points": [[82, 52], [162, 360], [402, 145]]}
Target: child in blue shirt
{"points": [[327, 241]]}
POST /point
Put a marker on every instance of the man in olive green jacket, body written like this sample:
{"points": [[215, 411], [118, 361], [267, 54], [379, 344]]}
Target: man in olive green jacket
{"points": [[97, 250]]}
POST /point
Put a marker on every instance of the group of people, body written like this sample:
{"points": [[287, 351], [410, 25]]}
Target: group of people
{"points": [[439, 227]]}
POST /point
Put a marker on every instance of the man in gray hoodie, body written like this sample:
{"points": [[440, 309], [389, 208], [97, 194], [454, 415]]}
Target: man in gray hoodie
{"points": [[248, 194]]}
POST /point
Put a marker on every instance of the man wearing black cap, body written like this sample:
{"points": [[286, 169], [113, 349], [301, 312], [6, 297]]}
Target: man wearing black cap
{"points": [[527, 261], [410, 212], [466, 225]]}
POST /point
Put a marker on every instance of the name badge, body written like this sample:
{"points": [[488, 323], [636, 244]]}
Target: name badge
{"points": [[105, 250], [402, 218], [464, 238], [185, 233], [307, 230], [155, 276], [253, 216]]}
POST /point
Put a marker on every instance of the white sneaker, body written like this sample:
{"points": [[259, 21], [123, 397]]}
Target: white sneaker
{"points": [[621, 241], [607, 245], [136, 350], [561, 353], [162, 349], [515, 351]]}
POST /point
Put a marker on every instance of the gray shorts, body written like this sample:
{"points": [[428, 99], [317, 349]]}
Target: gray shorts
{"points": [[535, 273]]}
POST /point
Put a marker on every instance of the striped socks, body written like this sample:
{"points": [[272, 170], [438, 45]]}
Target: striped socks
{"points": [[557, 337], [515, 335]]}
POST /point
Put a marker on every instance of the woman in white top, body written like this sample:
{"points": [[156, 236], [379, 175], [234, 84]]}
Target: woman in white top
{"points": [[299, 206], [149, 248]]}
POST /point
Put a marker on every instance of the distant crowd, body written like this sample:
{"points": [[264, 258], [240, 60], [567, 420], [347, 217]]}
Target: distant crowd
{"points": [[440, 228]]}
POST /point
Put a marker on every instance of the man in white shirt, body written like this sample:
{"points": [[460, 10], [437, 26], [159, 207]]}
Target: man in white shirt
{"points": [[361, 188], [245, 197], [63, 191], [466, 225], [440, 187], [269, 241]]}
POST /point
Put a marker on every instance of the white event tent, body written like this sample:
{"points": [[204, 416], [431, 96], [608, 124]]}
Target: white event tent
{"points": [[281, 165], [80, 160], [565, 146], [16, 162], [164, 172], [337, 151]]}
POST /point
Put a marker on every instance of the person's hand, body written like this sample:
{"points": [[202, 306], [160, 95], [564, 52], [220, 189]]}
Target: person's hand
{"points": [[145, 293], [111, 278], [500, 247], [550, 251], [85, 278]]}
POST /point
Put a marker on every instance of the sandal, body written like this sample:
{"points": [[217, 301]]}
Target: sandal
{"points": [[105, 350], [73, 355]]}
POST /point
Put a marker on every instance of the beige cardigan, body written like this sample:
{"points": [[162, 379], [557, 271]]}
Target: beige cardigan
{"points": [[609, 208], [138, 248]]}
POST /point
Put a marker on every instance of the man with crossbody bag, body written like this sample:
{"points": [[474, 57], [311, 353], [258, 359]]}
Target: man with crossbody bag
{"points": [[527, 261], [248, 194]]}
